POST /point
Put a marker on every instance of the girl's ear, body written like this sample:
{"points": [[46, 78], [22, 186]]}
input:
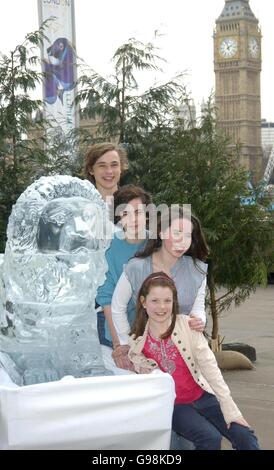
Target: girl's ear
{"points": [[143, 301]]}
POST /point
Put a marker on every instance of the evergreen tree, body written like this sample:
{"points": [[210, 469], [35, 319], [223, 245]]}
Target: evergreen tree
{"points": [[19, 156], [123, 114], [24, 153]]}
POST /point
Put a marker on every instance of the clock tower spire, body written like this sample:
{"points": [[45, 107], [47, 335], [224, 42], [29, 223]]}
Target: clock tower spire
{"points": [[237, 65]]}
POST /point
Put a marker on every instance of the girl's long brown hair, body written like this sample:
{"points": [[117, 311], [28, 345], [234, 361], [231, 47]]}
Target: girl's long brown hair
{"points": [[159, 279]]}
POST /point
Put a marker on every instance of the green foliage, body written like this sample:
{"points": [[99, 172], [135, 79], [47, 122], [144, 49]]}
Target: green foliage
{"points": [[122, 112]]}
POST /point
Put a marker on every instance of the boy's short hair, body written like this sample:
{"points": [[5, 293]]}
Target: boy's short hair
{"points": [[125, 194]]}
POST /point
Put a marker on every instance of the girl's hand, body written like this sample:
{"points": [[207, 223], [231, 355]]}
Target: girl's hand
{"points": [[241, 421], [121, 359], [144, 370], [195, 323]]}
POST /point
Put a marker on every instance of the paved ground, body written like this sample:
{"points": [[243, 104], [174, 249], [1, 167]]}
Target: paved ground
{"points": [[253, 390]]}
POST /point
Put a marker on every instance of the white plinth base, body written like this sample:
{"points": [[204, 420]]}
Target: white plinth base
{"points": [[117, 412]]}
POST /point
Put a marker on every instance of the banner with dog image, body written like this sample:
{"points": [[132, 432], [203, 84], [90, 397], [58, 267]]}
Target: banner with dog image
{"points": [[59, 65]]}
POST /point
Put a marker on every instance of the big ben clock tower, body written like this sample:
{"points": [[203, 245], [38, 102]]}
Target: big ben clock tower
{"points": [[237, 65]]}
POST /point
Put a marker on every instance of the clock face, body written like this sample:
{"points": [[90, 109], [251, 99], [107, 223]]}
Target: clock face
{"points": [[228, 47], [253, 47]]}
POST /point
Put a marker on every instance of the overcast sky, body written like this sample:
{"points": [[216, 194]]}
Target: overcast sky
{"points": [[187, 28]]}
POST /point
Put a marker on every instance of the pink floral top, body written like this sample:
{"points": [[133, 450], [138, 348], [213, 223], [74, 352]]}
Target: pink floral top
{"points": [[168, 358]]}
